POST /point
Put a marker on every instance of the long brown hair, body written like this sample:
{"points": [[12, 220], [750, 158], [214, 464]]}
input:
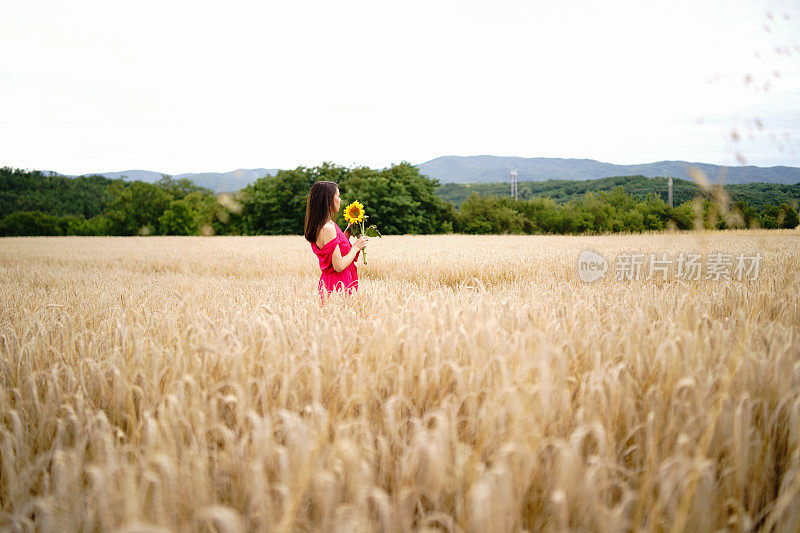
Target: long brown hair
{"points": [[319, 207]]}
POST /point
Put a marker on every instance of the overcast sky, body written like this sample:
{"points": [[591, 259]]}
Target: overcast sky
{"points": [[187, 86]]}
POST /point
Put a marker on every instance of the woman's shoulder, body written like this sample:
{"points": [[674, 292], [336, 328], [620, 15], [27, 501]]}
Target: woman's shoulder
{"points": [[327, 233], [333, 227]]}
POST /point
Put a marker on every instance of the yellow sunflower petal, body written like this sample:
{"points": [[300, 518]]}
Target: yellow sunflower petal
{"points": [[354, 212]]}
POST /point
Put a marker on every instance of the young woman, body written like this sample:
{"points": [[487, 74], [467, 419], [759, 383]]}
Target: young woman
{"points": [[337, 257]]}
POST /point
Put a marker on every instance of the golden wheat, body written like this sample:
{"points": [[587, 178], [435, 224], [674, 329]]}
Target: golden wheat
{"points": [[473, 383]]}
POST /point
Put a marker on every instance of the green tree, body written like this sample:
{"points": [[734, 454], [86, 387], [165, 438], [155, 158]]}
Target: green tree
{"points": [[543, 215], [601, 210], [22, 190], [32, 223], [712, 215], [632, 221], [422, 190], [787, 217], [387, 202], [476, 215], [488, 214], [575, 219], [179, 189], [178, 219], [276, 205], [743, 215], [683, 216], [100, 225], [768, 218], [72, 225], [399, 199], [135, 208]]}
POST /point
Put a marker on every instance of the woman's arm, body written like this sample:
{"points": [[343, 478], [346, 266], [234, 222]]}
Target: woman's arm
{"points": [[340, 262]]}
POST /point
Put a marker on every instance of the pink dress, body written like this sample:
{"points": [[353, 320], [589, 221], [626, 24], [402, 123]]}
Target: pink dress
{"points": [[331, 280]]}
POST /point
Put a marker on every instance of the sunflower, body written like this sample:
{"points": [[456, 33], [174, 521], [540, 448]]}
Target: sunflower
{"points": [[354, 213]]}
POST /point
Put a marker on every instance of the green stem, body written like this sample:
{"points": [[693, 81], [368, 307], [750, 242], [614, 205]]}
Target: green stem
{"points": [[363, 252]]}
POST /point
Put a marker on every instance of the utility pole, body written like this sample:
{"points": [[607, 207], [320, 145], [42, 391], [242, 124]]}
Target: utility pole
{"points": [[514, 183], [669, 184]]}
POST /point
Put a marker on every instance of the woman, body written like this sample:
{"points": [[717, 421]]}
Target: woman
{"points": [[336, 255]]}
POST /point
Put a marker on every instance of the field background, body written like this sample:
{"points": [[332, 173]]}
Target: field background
{"points": [[473, 383]]}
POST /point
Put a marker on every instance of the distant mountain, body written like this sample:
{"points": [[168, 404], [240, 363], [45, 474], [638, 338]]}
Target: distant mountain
{"points": [[130, 175], [488, 168], [216, 181], [229, 181]]}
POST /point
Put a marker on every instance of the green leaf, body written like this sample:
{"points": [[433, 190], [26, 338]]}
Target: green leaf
{"points": [[372, 231]]}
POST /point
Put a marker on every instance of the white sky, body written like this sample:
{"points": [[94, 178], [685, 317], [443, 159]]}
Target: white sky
{"points": [[190, 86]]}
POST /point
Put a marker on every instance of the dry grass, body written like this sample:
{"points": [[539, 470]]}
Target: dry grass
{"points": [[473, 383]]}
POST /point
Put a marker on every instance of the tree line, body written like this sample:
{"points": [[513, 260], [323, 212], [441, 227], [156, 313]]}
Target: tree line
{"points": [[32, 203], [757, 195], [611, 212], [398, 199]]}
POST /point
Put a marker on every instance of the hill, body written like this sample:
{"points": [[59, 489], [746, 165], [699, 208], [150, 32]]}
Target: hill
{"points": [[487, 169], [493, 169], [216, 181]]}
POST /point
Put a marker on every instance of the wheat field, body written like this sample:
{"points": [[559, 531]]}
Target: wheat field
{"points": [[472, 384]]}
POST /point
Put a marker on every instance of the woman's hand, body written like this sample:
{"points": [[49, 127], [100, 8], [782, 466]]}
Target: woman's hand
{"points": [[361, 243]]}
